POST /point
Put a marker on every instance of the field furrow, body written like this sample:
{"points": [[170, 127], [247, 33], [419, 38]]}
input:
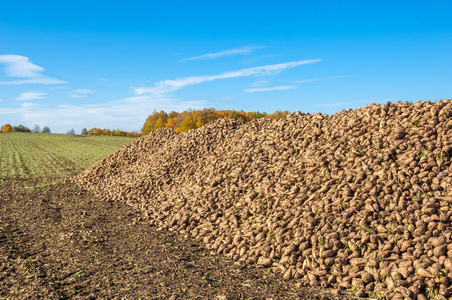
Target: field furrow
{"points": [[24, 155]]}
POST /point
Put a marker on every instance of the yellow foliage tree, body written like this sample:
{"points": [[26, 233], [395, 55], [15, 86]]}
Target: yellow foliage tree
{"points": [[192, 119], [171, 123], [200, 123], [7, 128], [106, 132], [158, 124], [188, 123]]}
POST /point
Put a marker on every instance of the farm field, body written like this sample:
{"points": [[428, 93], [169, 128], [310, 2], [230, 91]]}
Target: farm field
{"points": [[58, 241], [27, 155]]}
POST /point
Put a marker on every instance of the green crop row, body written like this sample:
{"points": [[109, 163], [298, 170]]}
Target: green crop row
{"points": [[27, 155]]}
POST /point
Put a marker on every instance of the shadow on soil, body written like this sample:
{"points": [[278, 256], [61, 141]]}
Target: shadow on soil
{"points": [[59, 242]]}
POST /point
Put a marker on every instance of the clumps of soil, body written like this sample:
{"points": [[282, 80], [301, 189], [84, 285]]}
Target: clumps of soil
{"points": [[59, 242], [360, 199]]}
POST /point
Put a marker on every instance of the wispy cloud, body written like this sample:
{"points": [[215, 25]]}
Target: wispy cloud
{"points": [[251, 60], [28, 105], [40, 80], [259, 83], [80, 93], [228, 52], [317, 79], [18, 66], [30, 96], [166, 86], [267, 89], [130, 113]]}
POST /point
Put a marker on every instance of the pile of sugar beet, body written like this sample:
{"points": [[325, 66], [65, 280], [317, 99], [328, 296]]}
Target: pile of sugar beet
{"points": [[358, 200]]}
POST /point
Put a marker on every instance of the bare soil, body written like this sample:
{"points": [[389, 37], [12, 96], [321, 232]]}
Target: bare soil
{"points": [[61, 242]]}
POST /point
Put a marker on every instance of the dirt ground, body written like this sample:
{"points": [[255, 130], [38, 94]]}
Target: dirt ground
{"points": [[60, 242]]}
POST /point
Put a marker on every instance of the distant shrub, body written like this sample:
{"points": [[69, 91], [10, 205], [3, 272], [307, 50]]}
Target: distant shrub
{"points": [[20, 128]]}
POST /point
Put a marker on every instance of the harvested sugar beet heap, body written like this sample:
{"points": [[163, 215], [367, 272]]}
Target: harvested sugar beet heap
{"points": [[359, 199]]}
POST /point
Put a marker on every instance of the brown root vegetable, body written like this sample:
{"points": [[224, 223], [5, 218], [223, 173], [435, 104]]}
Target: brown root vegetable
{"points": [[361, 198]]}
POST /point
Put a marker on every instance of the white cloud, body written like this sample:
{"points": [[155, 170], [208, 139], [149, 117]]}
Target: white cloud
{"points": [[307, 80], [317, 79], [127, 114], [251, 60], [30, 96], [266, 89], [228, 52], [39, 80], [59, 88], [80, 93], [166, 86], [28, 105], [18, 66], [259, 83]]}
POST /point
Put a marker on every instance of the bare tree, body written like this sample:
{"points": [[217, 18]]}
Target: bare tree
{"points": [[36, 129]]}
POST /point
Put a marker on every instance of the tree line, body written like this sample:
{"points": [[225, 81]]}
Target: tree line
{"points": [[21, 128], [108, 132], [93, 131], [178, 121], [192, 119]]}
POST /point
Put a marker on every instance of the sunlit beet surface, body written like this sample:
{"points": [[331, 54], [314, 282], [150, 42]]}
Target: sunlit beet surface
{"points": [[356, 200]]}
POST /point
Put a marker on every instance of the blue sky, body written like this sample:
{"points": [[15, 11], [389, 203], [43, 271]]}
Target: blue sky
{"points": [[109, 64]]}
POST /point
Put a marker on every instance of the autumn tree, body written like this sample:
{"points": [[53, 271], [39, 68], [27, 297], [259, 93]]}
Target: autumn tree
{"points": [[188, 123], [106, 132], [7, 128], [192, 119], [200, 123], [171, 123], [278, 114], [206, 116], [154, 121], [159, 123], [173, 114]]}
